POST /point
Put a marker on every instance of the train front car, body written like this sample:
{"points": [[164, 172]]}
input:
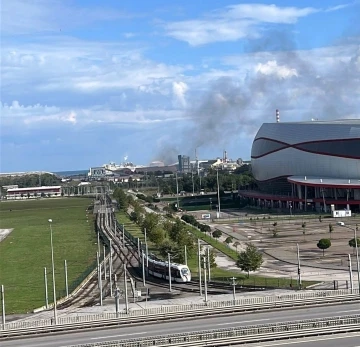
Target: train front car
{"points": [[185, 273]]}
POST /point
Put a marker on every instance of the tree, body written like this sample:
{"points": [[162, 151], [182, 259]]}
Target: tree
{"points": [[324, 244], [303, 225], [228, 240], [121, 198], [249, 260], [331, 229], [216, 233], [352, 243], [157, 236], [150, 222]]}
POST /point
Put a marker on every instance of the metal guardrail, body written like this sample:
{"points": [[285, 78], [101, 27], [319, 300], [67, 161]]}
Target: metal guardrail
{"points": [[14, 329], [247, 334]]}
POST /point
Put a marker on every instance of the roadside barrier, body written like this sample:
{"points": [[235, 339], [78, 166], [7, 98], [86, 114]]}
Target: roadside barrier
{"points": [[143, 316], [247, 334]]}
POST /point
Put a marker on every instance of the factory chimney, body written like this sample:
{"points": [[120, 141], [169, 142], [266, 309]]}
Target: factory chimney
{"points": [[277, 116]]}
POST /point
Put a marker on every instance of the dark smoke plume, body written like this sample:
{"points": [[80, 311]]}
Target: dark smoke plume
{"points": [[233, 107], [227, 109]]}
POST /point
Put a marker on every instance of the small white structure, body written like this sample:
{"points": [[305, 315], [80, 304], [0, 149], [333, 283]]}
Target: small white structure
{"points": [[341, 213]]}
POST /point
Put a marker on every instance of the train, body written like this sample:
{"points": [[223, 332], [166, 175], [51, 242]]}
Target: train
{"points": [[159, 268]]}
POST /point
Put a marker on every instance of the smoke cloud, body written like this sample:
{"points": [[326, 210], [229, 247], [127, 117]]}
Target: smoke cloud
{"points": [[322, 84], [284, 78]]}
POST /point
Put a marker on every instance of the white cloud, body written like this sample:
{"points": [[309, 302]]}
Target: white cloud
{"points": [[41, 114], [26, 17], [81, 66], [12, 114], [272, 68], [234, 22], [179, 91]]}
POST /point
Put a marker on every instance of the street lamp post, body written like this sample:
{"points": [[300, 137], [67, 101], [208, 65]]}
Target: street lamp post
{"points": [[357, 254], [169, 268], [53, 272], [218, 191]]}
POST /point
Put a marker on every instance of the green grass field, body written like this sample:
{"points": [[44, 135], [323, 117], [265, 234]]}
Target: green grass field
{"points": [[26, 251]]}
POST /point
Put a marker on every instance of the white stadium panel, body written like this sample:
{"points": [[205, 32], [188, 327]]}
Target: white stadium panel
{"points": [[288, 149]]}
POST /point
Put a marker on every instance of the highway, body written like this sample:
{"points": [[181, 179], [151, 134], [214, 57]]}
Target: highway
{"points": [[184, 326], [343, 340]]}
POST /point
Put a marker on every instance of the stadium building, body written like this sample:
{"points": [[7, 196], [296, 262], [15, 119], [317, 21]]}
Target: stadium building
{"points": [[309, 166]]}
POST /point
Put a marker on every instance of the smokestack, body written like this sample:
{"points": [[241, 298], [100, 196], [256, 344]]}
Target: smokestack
{"points": [[277, 116]]}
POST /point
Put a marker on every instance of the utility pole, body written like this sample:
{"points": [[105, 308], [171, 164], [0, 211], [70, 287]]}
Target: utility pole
{"points": [[3, 305], [351, 275], [218, 191], [299, 269], [199, 266], [192, 179], [104, 262], [126, 293], [208, 262], [169, 265], [177, 191], [110, 268], [233, 285], [205, 283], [143, 267], [66, 278], [46, 289], [185, 255], [99, 277]]}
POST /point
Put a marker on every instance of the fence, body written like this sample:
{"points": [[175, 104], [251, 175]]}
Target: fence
{"points": [[294, 299], [254, 333]]}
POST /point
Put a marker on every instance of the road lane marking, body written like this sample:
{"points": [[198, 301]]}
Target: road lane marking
{"points": [[246, 321], [112, 336]]}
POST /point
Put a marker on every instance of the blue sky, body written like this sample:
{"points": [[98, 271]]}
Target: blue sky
{"points": [[85, 82]]}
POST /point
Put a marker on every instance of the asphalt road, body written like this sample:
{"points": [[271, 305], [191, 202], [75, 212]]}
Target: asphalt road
{"points": [[343, 340], [219, 322]]}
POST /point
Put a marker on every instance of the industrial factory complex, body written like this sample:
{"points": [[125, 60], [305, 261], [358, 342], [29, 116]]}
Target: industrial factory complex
{"points": [[309, 166]]}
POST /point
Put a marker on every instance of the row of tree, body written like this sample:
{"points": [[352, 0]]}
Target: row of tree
{"points": [[171, 235], [324, 244], [168, 235], [189, 182], [31, 180]]}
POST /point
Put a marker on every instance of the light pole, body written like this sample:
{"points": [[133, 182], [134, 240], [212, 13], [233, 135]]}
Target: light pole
{"points": [[169, 264], [218, 191], [53, 272], [177, 191], [233, 285], [357, 254]]}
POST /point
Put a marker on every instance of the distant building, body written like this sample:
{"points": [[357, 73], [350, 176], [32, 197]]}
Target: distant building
{"points": [[184, 164], [33, 192], [97, 173]]}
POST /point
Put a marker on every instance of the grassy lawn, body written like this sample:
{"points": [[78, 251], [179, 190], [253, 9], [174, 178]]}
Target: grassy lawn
{"points": [[26, 251], [217, 274]]}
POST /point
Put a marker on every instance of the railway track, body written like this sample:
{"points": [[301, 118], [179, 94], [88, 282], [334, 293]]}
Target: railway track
{"points": [[125, 252], [190, 287]]}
